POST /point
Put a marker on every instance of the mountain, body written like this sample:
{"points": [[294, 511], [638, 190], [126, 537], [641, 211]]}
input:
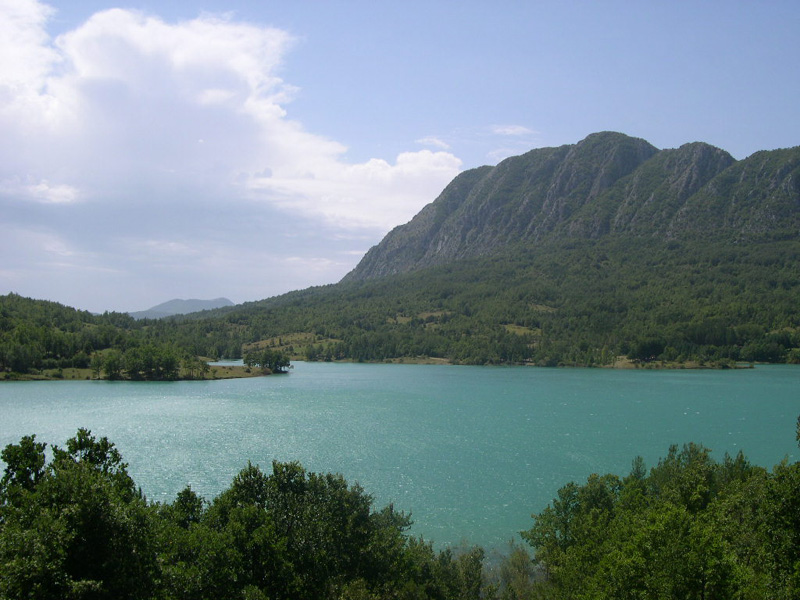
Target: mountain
{"points": [[578, 255], [607, 185], [180, 307]]}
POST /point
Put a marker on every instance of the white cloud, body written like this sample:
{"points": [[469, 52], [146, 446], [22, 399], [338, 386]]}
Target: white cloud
{"points": [[119, 103], [25, 56], [512, 130], [499, 154], [150, 152], [47, 249], [434, 142], [55, 194], [374, 194], [156, 250], [42, 191]]}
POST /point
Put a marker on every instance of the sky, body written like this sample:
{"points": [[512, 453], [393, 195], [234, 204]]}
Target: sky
{"points": [[154, 150]]}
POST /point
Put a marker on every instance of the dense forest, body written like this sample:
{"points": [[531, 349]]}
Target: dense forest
{"points": [[582, 303], [76, 526], [39, 336], [577, 303]]}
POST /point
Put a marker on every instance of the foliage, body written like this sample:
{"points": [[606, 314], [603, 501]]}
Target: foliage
{"points": [[77, 527], [691, 528], [576, 255], [574, 303], [269, 360], [37, 335]]}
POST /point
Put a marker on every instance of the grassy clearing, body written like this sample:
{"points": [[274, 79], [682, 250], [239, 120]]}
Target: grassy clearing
{"points": [[292, 344], [232, 372], [520, 330], [542, 308]]}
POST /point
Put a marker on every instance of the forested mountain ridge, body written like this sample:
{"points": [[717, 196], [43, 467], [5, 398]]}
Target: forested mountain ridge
{"points": [[607, 184], [576, 255]]}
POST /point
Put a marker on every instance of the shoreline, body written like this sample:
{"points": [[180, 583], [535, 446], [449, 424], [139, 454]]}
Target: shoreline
{"points": [[216, 372], [222, 372], [621, 363]]}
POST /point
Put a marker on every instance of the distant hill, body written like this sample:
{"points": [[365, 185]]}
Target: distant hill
{"points": [[608, 185], [180, 307]]}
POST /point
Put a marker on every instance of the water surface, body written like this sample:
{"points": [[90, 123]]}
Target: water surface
{"points": [[470, 451]]}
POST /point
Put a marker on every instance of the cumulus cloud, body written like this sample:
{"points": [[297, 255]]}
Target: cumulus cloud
{"points": [[25, 55], [145, 142], [41, 191], [375, 194], [127, 99]]}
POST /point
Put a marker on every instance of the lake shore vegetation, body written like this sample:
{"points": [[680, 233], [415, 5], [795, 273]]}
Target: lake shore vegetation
{"points": [[41, 340], [587, 304]]}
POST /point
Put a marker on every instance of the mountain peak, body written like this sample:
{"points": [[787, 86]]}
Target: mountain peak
{"points": [[607, 184]]}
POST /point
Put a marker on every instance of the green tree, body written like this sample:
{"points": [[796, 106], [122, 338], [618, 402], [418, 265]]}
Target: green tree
{"points": [[273, 361], [691, 528], [96, 365], [24, 467], [81, 530], [112, 364]]}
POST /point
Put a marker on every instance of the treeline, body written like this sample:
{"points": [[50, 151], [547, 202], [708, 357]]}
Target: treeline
{"points": [[149, 362], [580, 303], [273, 361], [76, 526], [38, 335], [576, 303], [691, 528]]}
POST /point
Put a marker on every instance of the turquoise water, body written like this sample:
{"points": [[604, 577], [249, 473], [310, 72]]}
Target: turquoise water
{"points": [[470, 451]]}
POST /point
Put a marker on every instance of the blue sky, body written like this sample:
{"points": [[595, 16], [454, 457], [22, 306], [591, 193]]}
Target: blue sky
{"points": [[196, 149]]}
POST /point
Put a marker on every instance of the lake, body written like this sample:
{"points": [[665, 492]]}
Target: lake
{"points": [[471, 452]]}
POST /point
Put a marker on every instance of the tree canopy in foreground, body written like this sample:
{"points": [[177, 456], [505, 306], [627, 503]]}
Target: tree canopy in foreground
{"points": [[76, 526]]}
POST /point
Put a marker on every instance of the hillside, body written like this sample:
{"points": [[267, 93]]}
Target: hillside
{"points": [[574, 255], [40, 339], [609, 184], [572, 303], [180, 307], [577, 255]]}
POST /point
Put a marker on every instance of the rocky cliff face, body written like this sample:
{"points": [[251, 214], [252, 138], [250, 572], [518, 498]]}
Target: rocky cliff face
{"points": [[607, 184]]}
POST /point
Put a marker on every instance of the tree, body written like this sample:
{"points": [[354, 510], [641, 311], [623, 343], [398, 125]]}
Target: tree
{"points": [[691, 528], [24, 463], [272, 361], [24, 467], [797, 432], [96, 365], [79, 530], [112, 364]]}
